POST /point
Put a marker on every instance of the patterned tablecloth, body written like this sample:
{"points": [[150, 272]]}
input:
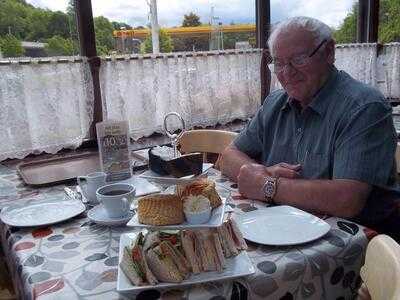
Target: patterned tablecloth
{"points": [[78, 259]]}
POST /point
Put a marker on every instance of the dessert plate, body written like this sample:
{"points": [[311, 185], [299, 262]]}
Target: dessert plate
{"points": [[217, 217], [152, 176], [281, 226]]}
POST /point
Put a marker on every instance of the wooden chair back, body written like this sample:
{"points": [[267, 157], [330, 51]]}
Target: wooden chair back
{"points": [[381, 271], [205, 141]]}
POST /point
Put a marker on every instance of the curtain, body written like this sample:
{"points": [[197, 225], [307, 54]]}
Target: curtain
{"points": [[45, 106], [389, 67], [359, 60], [204, 88]]}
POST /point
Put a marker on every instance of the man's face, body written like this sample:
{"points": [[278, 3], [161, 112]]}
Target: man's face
{"points": [[302, 82]]}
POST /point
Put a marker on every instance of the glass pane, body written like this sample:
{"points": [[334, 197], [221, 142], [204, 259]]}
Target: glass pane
{"points": [[35, 28], [184, 26], [340, 15]]}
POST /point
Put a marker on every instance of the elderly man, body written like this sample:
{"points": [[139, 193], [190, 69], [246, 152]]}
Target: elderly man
{"points": [[324, 143]]}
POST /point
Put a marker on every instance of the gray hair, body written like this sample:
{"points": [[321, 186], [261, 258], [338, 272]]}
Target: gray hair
{"points": [[318, 29]]}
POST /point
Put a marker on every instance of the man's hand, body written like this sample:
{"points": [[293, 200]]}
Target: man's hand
{"points": [[284, 170], [251, 179]]}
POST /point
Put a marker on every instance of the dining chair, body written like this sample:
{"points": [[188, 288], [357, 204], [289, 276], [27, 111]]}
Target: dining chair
{"points": [[381, 271], [205, 141]]}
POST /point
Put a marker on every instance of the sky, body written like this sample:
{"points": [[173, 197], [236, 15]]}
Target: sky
{"points": [[171, 12]]}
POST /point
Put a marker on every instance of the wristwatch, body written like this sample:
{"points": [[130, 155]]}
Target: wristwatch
{"points": [[269, 188]]}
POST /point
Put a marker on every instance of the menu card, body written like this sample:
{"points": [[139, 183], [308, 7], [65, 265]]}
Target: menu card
{"points": [[113, 142]]}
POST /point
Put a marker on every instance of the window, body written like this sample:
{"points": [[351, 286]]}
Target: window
{"points": [[31, 30], [184, 26], [340, 15]]}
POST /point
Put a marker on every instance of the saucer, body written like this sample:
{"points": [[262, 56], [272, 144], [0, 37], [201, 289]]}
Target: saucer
{"points": [[99, 215]]}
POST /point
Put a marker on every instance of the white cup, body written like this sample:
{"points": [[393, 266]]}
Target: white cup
{"points": [[90, 183], [116, 198]]}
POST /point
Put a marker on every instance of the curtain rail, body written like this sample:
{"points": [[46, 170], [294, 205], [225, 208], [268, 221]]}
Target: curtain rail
{"points": [[35, 60], [178, 54], [26, 61]]}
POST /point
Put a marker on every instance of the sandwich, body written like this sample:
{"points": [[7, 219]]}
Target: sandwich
{"points": [[236, 234], [189, 246], [163, 266], [134, 264], [177, 257]]}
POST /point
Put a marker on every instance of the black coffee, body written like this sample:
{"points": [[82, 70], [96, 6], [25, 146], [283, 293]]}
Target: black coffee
{"points": [[115, 192]]}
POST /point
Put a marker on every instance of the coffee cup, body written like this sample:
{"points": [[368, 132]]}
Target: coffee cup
{"points": [[90, 183], [116, 198]]}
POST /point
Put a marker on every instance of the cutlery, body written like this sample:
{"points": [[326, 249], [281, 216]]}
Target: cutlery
{"points": [[72, 194], [77, 195]]}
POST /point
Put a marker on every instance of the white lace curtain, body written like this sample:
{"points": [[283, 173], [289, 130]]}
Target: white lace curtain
{"points": [[204, 89], [388, 78], [44, 107], [359, 60]]}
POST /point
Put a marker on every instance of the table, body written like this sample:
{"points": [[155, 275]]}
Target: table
{"points": [[78, 259]]}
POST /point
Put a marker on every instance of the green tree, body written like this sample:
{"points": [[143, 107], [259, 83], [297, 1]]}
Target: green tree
{"points": [[104, 38], [13, 15], [57, 46], [166, 44], [38, 20], [389, 24], [347, 32], [59, 24], [10, 46], [199, 43], [118, 25], [231, 38], [191, 20]]}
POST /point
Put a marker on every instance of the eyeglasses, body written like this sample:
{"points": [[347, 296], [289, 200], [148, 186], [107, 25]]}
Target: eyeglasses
{"points": [[297, 61]]}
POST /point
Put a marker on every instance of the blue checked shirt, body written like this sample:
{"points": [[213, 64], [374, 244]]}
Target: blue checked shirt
{"points": [[346, 132]]}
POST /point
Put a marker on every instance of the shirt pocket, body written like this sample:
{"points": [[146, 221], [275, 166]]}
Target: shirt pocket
{"points": [[316, 166]]}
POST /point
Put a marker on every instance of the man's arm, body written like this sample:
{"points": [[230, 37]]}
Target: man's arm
{"points": [[338, 197], [232, 159]]}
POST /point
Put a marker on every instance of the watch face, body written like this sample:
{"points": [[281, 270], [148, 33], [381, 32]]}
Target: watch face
{"points": [[269, 189]]}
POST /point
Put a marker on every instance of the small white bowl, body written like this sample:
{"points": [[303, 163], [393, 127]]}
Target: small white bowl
{"points": [[198, 217]]}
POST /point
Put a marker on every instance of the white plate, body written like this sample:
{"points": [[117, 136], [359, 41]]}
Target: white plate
{"points": [[42, 213], [217, 217], [98, 215], [152, 176], [143, 186], [235, 267], [281, 226]]}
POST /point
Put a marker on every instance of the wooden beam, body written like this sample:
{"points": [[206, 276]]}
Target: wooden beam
{"points": [[263, 27], [87, 40], [373, 21], [362, 21], [263, 22]]}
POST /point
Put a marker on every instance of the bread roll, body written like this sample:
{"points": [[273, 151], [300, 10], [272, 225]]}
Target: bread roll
{"points": [[203, 187], [160, 209]]}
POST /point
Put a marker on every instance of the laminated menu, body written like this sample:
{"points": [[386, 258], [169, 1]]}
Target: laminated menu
{"points": [[113, 141]]}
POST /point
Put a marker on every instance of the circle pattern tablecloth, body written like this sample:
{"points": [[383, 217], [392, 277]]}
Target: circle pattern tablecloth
{"points": [[78, 259]]}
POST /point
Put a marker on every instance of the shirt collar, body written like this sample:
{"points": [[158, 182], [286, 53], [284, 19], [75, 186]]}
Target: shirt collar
{"points": [[319, 104]]}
